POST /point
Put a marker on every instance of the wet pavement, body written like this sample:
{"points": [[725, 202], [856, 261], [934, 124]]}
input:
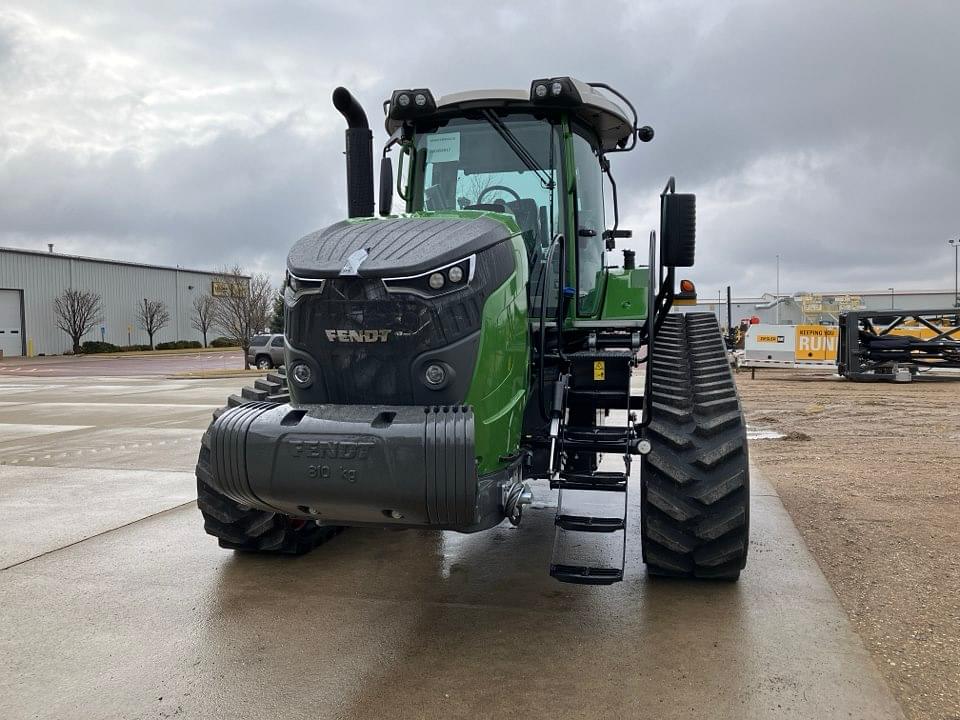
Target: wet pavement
{"points": [[114, 603]]}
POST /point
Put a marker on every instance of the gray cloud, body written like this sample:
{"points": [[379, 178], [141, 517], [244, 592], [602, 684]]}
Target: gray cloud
{"points": [[823, 132], [234, 195]]}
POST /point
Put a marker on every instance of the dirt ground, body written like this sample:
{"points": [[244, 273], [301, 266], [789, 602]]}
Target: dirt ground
{"points": [[871, 475]]}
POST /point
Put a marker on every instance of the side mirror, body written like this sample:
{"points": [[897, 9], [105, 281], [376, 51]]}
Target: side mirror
{"points": [[386, 186], [678, 229]]}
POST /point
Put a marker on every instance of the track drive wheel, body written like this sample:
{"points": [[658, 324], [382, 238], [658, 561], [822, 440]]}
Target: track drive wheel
{"points": [[695, 504], [239, 527]]}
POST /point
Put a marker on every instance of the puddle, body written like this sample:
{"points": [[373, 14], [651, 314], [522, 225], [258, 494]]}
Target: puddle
{"points": [[754, 433]]}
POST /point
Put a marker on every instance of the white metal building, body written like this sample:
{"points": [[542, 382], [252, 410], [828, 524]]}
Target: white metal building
{"points": [[30, 280], [803, 308]]}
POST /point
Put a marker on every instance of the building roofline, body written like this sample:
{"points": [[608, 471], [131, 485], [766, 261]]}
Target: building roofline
{"points": [[885, 291], [109, 261], [767, 297]]}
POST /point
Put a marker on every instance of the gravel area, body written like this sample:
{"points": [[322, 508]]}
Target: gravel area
{"points": [[871, 475]]}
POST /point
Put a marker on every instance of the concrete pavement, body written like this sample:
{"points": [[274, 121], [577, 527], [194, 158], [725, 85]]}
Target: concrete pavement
{"points": [[126, 364], [116, 605]]}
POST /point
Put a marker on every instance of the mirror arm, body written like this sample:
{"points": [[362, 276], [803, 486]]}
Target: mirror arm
{"points": [[393, 140]]}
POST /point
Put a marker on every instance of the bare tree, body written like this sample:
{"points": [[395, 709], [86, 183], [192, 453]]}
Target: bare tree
{"points": [[77, 312], [242, 307], [152, 316], [202, 320], [277, 321], [474, 187]]}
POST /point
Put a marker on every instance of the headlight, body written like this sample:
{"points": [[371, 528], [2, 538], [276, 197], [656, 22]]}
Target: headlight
{"points": [[439, 281], [302, 374], [411, 104], [559, 91], [298, 287], [435, 374]]}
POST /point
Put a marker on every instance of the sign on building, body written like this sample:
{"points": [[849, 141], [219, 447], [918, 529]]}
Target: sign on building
{"points": [[225, 288]]}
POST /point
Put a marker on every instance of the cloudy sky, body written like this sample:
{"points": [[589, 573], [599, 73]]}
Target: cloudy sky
{"points": [[199, 133]]}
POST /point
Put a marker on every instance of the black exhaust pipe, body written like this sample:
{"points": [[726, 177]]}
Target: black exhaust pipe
{"points": [[359, 154]]}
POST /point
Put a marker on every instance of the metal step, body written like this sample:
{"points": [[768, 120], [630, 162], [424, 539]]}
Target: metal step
{"points": [[588, 558], [598, 480], [585, 575], [589, 544], [577, 502], [589, 523], [590, 511], [602, 438]]}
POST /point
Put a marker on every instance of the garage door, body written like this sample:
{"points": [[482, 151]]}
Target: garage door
{"points": [[11, 329]]}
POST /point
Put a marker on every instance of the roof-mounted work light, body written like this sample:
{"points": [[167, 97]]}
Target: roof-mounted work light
{"points": [[410, 104], [555, 91]]}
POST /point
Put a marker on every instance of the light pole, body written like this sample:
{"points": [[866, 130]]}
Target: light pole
{"points": [[956, 246], [891, 297], [778, 289]]}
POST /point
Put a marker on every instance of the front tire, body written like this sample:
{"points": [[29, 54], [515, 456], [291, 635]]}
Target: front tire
{"points": [[263, 362], [695, 497]]}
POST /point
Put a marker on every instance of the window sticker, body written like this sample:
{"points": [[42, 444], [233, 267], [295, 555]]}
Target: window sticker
{"points": [[443, 147]]}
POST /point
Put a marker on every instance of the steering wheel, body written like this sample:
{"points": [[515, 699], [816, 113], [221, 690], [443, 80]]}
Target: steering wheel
{"points": [[496, 188]]}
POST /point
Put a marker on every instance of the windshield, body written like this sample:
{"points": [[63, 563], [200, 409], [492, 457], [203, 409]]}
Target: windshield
{"points": [[500, 163]]}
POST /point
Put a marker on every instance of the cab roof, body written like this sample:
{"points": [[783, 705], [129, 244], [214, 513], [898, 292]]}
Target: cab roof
{"points": [[594, 108]]}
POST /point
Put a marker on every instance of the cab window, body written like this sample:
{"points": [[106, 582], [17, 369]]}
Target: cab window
{"points": [[590, 221]]}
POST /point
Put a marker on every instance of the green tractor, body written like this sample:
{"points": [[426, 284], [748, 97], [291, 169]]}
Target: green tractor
{"points": [[438, 359]]}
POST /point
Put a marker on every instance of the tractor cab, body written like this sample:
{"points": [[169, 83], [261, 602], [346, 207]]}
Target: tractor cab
{"points": [[537, 156]]}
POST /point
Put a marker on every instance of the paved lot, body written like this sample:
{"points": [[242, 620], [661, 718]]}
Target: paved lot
{"points": [[132, 365], [116, 605]]}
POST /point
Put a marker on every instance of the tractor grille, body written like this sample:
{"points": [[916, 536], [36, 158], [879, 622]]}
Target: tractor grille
{"points": [[365, 340]]}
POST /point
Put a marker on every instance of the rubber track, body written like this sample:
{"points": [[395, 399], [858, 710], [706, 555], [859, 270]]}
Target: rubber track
{"points": [[243, 528], [695, 481]]}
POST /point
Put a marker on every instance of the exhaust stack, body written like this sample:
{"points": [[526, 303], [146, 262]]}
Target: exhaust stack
{"points": [[359, 151]]}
